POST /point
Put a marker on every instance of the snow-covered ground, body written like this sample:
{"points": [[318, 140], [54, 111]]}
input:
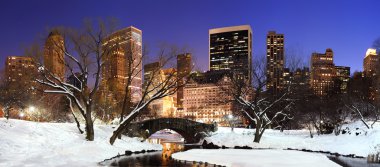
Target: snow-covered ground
{"points": [[257, 158], [24, 143], [362, 144], [357, 140]]}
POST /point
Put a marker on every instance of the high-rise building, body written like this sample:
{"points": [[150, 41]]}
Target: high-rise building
{"points": [[20, 70], [343, 76], [322, 72], [154, 76], [230, 48], [54, 59], [371, 62], [302, 76], [183, 70], [275, 62], [123, 59], [287, 76], [151, 70], [205, 98]]}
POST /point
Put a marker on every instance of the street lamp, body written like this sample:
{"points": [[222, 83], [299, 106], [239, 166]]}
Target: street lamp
{"points": [[21, 115], [230, 116], [32, 108], [230, 121]]}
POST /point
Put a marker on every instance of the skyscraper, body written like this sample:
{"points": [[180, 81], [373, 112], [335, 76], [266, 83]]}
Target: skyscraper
{"points": [[54, 59], [123, 61], [20, 73], [230, 48], [17, 68], [371, 62], [322, 72], [275, 62], [205, 99], [154, 76], [183, 69]]}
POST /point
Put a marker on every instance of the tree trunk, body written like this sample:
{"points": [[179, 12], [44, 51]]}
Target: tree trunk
{"points": [[122, 127], [77, 122], [257, 134], [7, 114], [89, 124], [311, 134], [75, 118], [126, 106]]}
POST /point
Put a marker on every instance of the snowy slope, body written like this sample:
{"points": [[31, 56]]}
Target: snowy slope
{"points": [[256, 158], [24, 143], [361, 144]]}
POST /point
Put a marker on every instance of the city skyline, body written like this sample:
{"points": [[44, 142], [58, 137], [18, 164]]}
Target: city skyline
{"points": [[190, 83], [348, 33]]}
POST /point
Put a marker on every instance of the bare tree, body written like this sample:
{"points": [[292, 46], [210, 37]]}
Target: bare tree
{"points": [[359, 98], [154, 89], [134, 68], [84, 50], [260, 109], [294, 59], [376, 44]]}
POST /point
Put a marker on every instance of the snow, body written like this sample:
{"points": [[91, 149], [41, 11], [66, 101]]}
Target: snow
{"points": [[167, 136], [361, 145], [257, 158], [24, 143]]}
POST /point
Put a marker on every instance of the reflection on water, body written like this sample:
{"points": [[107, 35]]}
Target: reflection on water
{"points": [[169, 149], [171, 142], [160, 158]]}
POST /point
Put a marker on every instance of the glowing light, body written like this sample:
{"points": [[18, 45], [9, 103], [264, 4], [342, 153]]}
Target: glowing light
{"points": [[370, 51], [230, 116], [32, 108], [21, 114]]}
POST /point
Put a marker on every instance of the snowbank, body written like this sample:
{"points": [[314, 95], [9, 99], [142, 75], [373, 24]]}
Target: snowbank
{"points": [[357, 140], [24, 143], [258, 158]]}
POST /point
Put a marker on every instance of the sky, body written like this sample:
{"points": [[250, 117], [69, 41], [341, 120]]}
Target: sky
{"points": [[348, 27]]}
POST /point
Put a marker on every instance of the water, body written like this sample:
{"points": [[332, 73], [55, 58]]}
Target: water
{"points": [[171, 142], [160, 158], [352, 162]]}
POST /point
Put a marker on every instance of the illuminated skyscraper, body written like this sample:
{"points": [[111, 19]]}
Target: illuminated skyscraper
{"points": [[230, 48], [19, 69], [371, 62], [20, 74], [124, 59], [183, 69], [54, 59], [205, 99], [153, 77], [275, 62], [322, 72]]}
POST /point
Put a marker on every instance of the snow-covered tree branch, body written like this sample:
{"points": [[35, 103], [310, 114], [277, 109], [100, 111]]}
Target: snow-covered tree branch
{"points": [[156, 86], [84, 50]]}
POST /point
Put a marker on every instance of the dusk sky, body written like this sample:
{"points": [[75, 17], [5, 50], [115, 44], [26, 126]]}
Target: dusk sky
{"points": [[348, 27]]}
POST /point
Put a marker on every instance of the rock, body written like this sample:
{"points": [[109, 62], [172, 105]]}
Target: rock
{"points": [[128, 152]]}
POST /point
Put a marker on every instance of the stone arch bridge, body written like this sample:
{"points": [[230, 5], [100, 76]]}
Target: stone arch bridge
{"points": [[190, 130]]}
